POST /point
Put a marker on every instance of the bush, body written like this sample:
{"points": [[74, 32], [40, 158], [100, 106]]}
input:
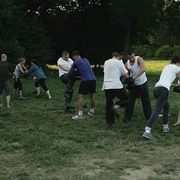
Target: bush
{"points": [[164, 52], [145, 51], [176, 50]]}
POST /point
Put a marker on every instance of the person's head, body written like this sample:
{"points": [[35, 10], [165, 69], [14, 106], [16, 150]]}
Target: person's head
{"points": [[131, 55], [65, 55], [3, 57], [175, 60], [33, 61], [22, 60], [75, 55], [121, 55], [115, 55]]}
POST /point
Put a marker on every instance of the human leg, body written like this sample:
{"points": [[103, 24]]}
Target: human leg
{"points": [[130, 107], [110, 118], [145, 99], [43, 85], [178, 121], [161, 95], [80, 107], [7, 92], [37, 83]]}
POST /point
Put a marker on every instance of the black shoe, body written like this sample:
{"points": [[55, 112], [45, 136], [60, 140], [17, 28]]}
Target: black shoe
{"points": [[84, 106], [68, 110]]}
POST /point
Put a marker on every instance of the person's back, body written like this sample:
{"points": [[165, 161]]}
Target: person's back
{"points": [[5, 70], [38, 72], [168, 75], [84, 68], [113, 70]]}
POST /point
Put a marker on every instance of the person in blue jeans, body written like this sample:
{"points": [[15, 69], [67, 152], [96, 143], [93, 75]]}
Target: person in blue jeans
{"points": [[36, 69], [87, 84], [161, 92]]}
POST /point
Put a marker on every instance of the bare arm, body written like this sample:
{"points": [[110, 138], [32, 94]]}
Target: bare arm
{"points": [[24, 69], [142, 68]]}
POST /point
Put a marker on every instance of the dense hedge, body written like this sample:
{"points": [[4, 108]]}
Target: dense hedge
{"points": [[163, 52]]}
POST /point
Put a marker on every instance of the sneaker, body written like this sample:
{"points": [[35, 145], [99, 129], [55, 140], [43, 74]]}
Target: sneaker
{"points": [[77, 117], [149, 136], [90, 114], [37, 95], [166, 130]]}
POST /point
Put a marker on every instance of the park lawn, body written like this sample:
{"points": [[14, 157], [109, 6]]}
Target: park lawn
{"points": [[39, 141]]}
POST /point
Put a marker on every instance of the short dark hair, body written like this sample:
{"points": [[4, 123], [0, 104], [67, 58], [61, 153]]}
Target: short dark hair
{"points": [[175, 59], [75, 53], [129, 52], [115, 54], [65, 52], [35, 62]]}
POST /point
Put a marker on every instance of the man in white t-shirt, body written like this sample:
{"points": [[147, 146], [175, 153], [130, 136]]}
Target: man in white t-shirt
{"points": [[64, 64], [161, 92], [113, 70]]}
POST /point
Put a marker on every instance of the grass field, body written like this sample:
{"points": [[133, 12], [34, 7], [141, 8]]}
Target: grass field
{"points": [[39, 141]]}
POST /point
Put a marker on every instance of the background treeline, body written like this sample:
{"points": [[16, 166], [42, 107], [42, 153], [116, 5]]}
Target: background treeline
{"points": [[42, 29]]}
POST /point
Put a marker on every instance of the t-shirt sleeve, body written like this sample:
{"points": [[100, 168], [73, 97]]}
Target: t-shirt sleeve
{"points": [[123, 68]]}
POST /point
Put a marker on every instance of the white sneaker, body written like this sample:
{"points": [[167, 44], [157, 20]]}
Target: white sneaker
{"points": [[166, 130], [90, 114], [77, 117], [149, 136]]}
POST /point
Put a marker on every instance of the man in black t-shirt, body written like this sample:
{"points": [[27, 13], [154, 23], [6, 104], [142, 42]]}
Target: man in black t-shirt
{"points": [[6, 70]]}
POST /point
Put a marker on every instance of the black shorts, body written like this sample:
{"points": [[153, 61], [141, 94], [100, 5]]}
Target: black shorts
{"points": [[4, 85], [18, 84], [87, 87], [42, 83]]}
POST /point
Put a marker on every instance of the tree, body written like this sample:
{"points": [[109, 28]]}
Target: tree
{"points": [[136, 18]]}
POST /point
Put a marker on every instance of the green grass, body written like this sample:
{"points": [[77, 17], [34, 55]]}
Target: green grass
{"points": [[39, 141]]}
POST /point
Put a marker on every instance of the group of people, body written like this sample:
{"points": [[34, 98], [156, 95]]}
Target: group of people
{"points": [[7, 70], [133, 72]]}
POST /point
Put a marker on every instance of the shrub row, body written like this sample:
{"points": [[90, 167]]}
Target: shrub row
{"points": [[164, 52]]}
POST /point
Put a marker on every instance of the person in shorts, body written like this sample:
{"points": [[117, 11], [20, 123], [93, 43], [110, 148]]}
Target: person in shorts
{"points": [[19, 71], [87, 85], [6, 70]]}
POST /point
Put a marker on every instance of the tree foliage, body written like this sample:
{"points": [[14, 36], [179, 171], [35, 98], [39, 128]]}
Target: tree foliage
{"points": [[44, 28]]}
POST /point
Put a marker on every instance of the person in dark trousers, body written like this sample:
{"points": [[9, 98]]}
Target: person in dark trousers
{"points": [[87, 84], [40, 78], [161, 92], [114, 69], [64, 64], [136, 67]]}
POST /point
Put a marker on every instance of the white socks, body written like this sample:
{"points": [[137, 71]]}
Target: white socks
{"points": [[148, 129], [80, 113]]}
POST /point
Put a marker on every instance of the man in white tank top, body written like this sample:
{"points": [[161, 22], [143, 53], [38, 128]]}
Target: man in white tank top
{"points": [[161, 92], [136, 67]]}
